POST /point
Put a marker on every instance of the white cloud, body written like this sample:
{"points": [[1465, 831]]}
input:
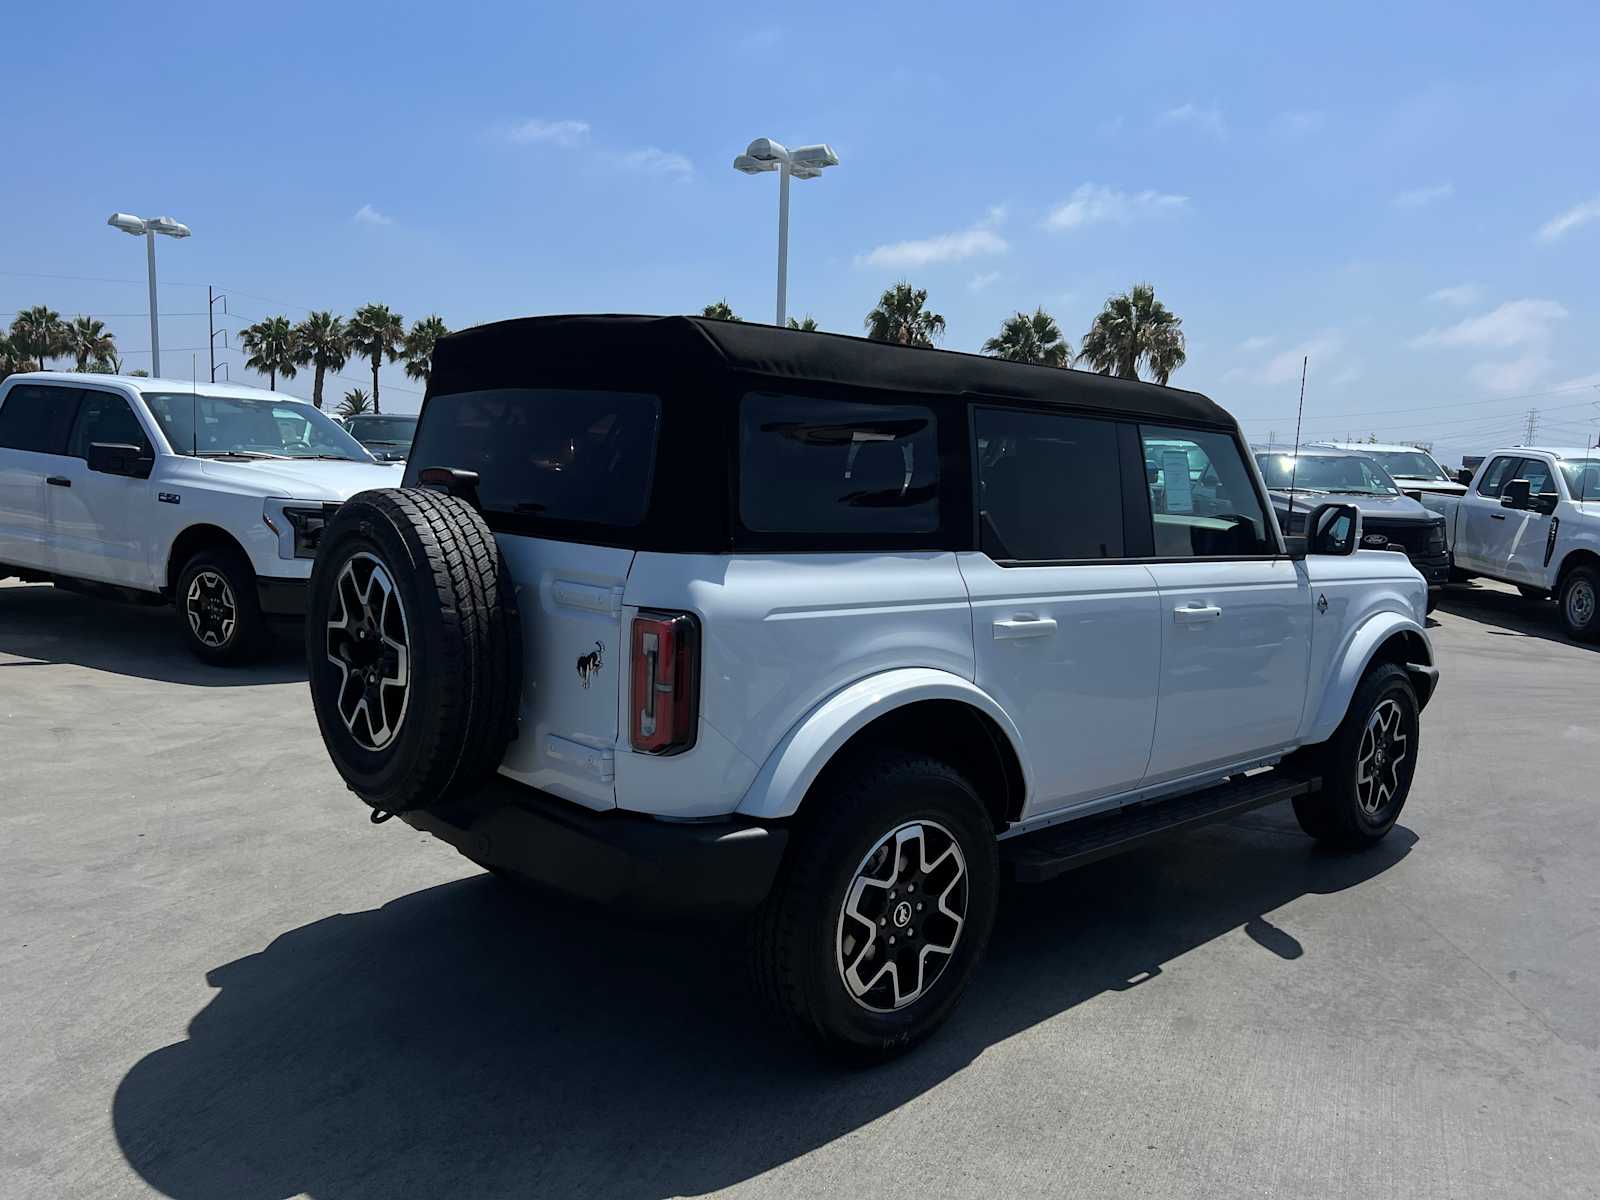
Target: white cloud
{"points": [[558, 133], [981, 238], [1515, 323], [982, 280], [651, 160], [1284, 367], [1511, 375], [1423, 196], [368, 215], [1459, 296], [1096, 204], [1207, 119], [1298, 122], [1579, 214]]}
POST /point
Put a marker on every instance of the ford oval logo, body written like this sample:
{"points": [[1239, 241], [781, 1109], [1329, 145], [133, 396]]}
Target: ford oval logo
{"points": [[1374, 539]]}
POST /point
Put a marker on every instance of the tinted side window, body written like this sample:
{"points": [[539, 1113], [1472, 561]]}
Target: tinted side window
{"points": [[105, 417], [1202, 500], [1049, 486], [1494, 479], [836, 466], [1537, 472], [35, 417]]}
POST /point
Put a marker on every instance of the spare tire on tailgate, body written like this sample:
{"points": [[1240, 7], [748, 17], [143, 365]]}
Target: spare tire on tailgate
{"points": [[413, 648]]}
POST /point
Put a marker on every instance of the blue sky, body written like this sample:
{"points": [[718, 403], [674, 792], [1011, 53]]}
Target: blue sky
{"points": [[1410, 194]]}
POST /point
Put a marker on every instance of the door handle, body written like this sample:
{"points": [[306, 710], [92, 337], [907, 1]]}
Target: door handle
{"points": [[1497, 516], [1006, 629], [1194, 614], [59, 481]]}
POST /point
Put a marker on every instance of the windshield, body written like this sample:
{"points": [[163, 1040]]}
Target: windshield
{"points": [[1352, 473], [249, 428], [1583, 478], [1411, 464], [390, 431]]}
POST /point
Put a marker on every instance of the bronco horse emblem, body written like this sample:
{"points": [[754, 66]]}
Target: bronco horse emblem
{"points": [[589, 664]]}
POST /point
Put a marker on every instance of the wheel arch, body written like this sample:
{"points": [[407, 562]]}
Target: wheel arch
{"points": [[1580, 557], [921, 709], [191, 541], [1384, 637]]}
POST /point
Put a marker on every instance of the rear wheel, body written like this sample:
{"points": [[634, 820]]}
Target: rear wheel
{"points": [[219, 609], [883, 908], [1368, 764], [1580, 603]]}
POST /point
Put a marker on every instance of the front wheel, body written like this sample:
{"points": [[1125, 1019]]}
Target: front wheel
{"points": [[883, 908], [219, 608], [1368, 764], [1580, 603]]}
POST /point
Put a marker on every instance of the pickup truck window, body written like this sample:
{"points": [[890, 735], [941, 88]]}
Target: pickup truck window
{"points": [[1583, 478], [1049, 487], [1537, 472], [37, 417], [1410, 464], [1347, 473], [1493, 481], [1202, 500], [105, 417]]}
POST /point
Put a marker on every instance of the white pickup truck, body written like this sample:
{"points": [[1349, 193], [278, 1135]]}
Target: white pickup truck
{"points": [[1532, 518]]}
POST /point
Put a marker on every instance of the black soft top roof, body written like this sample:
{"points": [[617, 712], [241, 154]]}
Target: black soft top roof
{"points": [[528, 349]]}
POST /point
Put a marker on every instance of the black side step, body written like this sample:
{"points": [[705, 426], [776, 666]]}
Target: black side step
{"points": [[1034, 857]]}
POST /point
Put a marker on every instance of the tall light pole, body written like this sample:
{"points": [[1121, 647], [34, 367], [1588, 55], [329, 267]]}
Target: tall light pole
{"points": [[149, 227], [807, 162]]}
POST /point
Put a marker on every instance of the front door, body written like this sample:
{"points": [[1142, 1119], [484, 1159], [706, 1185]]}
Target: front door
{"points": [[1235, 617], [1066, 642], [1486, 543], [1528, 541], [98, 522]]}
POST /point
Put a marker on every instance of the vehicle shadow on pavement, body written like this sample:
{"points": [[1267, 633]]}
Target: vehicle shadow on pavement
{"points": [[40, 624], [470, 1040], [1511, 614]]}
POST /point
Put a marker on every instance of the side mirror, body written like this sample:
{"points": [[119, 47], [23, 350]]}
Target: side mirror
{"points": [[120, 458], [1516, 494], [1544, 502], [1464, 476], [1333, 529]]}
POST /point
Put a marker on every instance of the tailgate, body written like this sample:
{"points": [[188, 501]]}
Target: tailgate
{"points": [[569, 596]]}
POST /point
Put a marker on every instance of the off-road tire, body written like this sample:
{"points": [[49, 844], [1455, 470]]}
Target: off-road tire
{"points": [[795, 934], [248, 636], [464, 652], [1581, 577], [1334, 815]]}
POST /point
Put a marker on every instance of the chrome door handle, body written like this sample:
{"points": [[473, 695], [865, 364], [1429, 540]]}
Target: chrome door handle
{"points": [[1193, 614], [1023, 627]]}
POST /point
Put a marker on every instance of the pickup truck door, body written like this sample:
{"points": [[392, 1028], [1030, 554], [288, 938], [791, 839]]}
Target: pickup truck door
{"points": [[1530, 531], [98, 522], [1483, 536], [34, 422]]}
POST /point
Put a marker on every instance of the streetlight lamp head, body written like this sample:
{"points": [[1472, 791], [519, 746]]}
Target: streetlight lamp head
{"points": [[126, 222], [767, 150], [170, 227], [805, 172], [753, 166], [818, 156]]}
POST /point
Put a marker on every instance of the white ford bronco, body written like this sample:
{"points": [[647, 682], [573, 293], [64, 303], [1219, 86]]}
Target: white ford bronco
{"points": [[210, 498], [700, 615]]}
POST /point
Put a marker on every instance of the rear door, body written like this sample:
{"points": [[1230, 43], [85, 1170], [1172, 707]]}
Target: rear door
{"points": [[99, 523], [1066, 639], [564, 478], [35, 420]]}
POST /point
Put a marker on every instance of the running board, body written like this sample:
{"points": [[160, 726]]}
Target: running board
{"points": [[1034, 858]]}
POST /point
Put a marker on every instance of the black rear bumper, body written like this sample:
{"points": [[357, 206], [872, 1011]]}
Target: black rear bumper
{"points": [[613, 857]]}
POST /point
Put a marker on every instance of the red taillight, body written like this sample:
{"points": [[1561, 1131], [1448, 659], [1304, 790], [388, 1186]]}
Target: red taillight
{"points": [[666, 682]]}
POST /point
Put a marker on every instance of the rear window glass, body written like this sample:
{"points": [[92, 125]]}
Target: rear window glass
{"points": [[38, 418], [569, 455], [835, 466]]}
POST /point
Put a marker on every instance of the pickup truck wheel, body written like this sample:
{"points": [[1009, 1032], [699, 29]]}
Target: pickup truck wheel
{"points": [[1367, 765], [219, 609], [412, 648], [1580, 603], [883, 907]]}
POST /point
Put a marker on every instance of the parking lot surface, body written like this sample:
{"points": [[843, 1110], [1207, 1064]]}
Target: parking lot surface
{"points": [[217, 979]]}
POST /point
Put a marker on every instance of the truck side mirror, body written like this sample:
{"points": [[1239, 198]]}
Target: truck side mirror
{"points": [[1544, 502], [120, 458], [1516, 494]]}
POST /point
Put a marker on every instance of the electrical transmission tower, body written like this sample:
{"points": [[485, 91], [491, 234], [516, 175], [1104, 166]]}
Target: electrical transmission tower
{"points": [[1531, 429]]}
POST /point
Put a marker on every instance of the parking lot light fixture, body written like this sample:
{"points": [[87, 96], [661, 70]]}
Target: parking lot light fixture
{"points": [[806, 162], [148, 227]]}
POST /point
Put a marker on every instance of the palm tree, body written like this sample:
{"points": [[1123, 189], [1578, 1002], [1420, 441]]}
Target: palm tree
{"points": [[271, 345], [901, 317], [720, 312], [11, 360], [375, 332], [1035, 339], [1135, 329], [807, 324], [355, 402], [321, 341], [38, 333], [90, 344], [424, 335]]}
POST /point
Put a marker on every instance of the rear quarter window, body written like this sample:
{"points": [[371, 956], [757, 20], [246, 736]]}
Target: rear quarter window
{"points": [[38, 417], [554, 453]]}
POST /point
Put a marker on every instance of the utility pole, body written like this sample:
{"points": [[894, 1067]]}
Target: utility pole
{"points": [[211, 328], [1531, 429]]}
